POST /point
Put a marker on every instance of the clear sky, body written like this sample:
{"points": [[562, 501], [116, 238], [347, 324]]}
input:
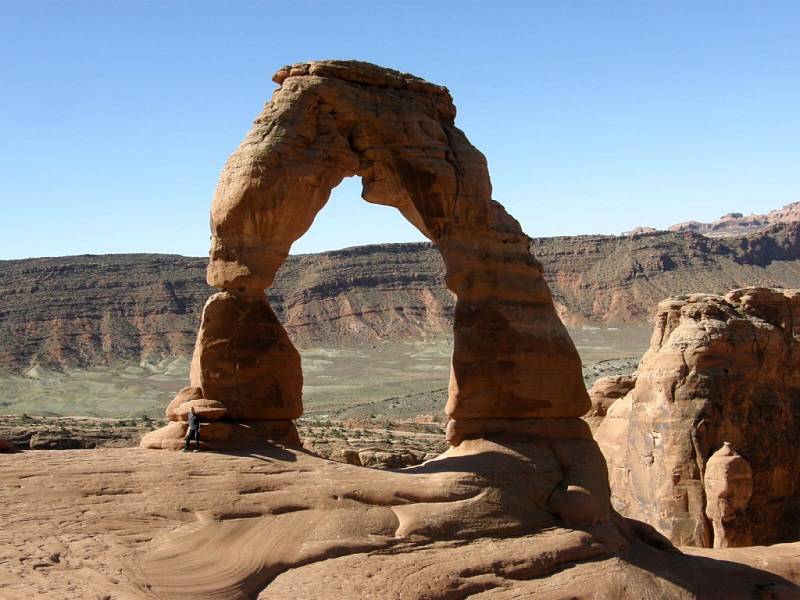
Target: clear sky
{"points": [[117, 117]]}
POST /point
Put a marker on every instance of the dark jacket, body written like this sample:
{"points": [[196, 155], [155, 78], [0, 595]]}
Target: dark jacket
{"points": [[193, 422]]}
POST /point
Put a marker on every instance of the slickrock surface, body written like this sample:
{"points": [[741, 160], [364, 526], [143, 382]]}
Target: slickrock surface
{"points": [[280, 524], [720, 380]]}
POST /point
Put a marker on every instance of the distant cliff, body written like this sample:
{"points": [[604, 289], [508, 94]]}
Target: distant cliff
{"points": [[736, 224], [84, 310]]}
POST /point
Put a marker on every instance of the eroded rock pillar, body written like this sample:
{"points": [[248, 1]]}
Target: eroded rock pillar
{"points": [[728, 483], [245, 379]]}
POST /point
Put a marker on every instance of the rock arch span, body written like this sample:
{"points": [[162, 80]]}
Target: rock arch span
{"points": [[512, 358]]}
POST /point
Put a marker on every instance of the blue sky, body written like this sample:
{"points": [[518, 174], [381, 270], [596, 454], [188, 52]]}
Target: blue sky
{"points": [[117, 117]]}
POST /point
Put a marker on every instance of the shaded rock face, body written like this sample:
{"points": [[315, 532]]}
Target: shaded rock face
{"points": [[512, 357], [721, 374], [244, 358]]}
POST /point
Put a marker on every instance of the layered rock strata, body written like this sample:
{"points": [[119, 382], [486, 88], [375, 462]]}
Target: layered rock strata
{"points": [[328, 120], [706, 446]]}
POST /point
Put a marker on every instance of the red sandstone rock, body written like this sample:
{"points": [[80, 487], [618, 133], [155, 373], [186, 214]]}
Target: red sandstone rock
{"points": [[222, 435], [607, 390], [512, 357], [185, 395], [284, 525], [331, 120], [207, 410], [718, 370], [244, 359], [728, 483], [5, 446]]}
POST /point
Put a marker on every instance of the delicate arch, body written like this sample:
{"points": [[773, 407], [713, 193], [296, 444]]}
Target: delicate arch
{"points": [[328, 120]]}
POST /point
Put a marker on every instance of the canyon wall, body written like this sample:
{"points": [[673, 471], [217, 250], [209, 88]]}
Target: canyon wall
{"points": [[85, 310]]}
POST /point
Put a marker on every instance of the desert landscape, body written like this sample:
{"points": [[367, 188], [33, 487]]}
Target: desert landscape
{"points": [[487, 415], [467, 300]]}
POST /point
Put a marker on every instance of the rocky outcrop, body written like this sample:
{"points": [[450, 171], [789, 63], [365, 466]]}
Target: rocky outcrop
{"points": [[607, 390], [603, 393], [734, 224], [706, 446], [5, 446]]}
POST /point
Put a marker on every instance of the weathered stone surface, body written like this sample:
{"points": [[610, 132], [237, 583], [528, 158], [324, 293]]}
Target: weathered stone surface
{"points": [[334, 119], [206, 410], [5, 446], [185, 395], [280, 524], [719, 369], [607, 390], [728, 483]]}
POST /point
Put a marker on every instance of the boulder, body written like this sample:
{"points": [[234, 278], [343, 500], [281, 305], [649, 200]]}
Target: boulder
{"points": [[185, 395], [607, 390], [206, 410]]}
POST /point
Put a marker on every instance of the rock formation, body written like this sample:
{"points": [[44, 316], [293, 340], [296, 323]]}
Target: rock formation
{"points": [[603, 393], [512, 357], [735, 223], [518, 506], [5, 446], [706, 446], [607, 390], [728, 483]]}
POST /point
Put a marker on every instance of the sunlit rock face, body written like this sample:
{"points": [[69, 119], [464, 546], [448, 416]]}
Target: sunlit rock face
{"points": [[721, 380]]}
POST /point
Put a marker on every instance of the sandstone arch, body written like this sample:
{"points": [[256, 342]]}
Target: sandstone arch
{"points": [[328, 120]]}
